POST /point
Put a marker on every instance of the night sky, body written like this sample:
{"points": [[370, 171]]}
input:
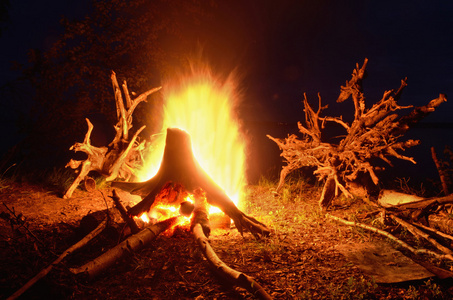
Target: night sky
{"points": [[286, 48]]}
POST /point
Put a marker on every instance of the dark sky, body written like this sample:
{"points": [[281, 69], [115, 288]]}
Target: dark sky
{"points": [[312, 47], [286, 48], [291, 47]]}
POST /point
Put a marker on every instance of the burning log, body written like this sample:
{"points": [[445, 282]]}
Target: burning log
{"points": [[122, 156], [133, 243], [180, 166], [374, 133]]}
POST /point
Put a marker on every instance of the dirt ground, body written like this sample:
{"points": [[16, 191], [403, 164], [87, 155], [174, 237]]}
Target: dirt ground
{"points": [[298, 261]]}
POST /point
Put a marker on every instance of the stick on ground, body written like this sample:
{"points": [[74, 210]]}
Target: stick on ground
{"points": [[198, 226], [393, 238], [133, 243], [70, 250]]}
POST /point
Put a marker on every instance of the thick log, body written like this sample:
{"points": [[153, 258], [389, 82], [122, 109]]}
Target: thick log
{"points": [[180, 166], [133, 243]]}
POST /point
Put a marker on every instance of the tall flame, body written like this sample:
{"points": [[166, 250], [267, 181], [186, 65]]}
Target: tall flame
{"points": [[204, 107]]}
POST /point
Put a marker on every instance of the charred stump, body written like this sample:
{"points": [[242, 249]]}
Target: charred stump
{"points": [[179, 165]]}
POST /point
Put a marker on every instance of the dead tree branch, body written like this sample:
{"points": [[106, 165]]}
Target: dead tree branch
{"points": [[393, 238], [419, 233], [126, 217], [122, 156]]}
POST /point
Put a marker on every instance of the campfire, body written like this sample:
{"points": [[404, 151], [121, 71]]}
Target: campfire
{"points": [[191, 175], [203, 108]]}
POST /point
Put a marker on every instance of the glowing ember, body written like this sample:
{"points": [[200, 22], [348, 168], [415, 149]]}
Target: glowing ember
{"points": [[204, 107], [144, 217]]}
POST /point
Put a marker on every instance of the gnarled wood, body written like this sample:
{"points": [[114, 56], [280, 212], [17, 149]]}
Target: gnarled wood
{"points": [[374, 133], [123, 155]]}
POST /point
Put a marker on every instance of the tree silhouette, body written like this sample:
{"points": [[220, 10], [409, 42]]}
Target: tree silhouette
{"points": [[137, 39]]}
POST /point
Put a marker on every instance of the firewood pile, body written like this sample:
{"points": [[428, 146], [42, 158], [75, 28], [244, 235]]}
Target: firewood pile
{"points": [[421, 227]]}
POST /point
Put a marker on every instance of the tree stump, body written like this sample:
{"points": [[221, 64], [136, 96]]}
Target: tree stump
{"points": [[179, 165]]}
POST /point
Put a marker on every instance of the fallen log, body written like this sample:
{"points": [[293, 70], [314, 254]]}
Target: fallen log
{"points": [[414, 207], [133, 243], [49, 268], [198, 226]]}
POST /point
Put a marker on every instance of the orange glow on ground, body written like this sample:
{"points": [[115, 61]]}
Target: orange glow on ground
{"points": [[204, 107]]}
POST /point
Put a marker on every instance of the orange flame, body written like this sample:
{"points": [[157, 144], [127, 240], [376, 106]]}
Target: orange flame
{"points": [[204, 107], [162, 212]]}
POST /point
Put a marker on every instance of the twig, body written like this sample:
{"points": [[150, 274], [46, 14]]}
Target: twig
{"points": [[70, 250], [392, 237], [418, 233], [22, 224], [440, 233]]}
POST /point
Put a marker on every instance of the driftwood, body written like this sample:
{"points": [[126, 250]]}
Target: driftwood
{"points": [[123, 155], [49, 268], [200, 231], [374, 133], [133, 243], [180, 166]]}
